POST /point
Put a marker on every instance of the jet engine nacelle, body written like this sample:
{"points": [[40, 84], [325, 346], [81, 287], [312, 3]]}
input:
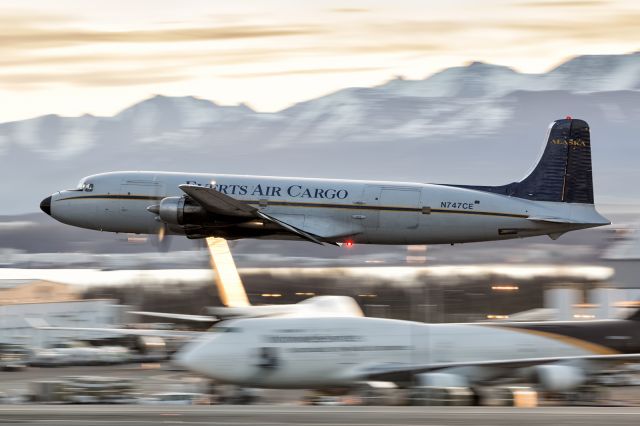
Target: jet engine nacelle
{"points": [[181, 211], [442, 380], [559, 378]]}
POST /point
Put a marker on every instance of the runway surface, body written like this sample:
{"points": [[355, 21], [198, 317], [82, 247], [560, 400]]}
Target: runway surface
{"points": [[314, 416]]}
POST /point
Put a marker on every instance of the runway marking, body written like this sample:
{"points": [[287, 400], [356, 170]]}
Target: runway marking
{"points": [[261, 409], [214, 422], [261, 415]]}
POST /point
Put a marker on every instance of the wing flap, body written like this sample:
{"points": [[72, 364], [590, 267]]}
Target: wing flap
{"points": [[325, 227], [305, 235]]}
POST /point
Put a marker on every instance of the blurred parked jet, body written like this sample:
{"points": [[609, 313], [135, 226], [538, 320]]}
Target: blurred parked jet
{"points": [[236, 304], [325, 353], [556, 197]]}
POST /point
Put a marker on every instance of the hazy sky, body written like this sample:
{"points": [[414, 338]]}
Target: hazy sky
{"points": [[71, 57]]}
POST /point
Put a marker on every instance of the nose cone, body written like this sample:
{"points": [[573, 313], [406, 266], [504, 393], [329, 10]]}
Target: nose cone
{"points": [[192, 359], [45, 205], [184, 358], [204, 356]]}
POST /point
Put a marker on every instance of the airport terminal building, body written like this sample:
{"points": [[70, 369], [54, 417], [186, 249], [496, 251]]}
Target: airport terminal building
{"points": [[27, 305]]}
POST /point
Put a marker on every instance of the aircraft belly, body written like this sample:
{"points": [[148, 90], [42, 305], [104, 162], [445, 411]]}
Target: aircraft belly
{"points": [[452, 228]]}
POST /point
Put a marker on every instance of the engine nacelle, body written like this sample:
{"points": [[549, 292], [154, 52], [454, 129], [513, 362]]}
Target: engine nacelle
{"points": [[559, 378], [442, 380], [181, 211]]}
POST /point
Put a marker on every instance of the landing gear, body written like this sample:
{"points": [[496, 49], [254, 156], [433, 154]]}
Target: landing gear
{"points": [[451, 396], [586, 395], [233, 395]]}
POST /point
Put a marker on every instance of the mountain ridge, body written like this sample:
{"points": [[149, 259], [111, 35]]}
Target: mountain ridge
{"points": [[482, 115]]}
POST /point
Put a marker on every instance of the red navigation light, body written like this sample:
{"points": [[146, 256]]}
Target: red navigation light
{"points": [[349, 244], [568, 117]]}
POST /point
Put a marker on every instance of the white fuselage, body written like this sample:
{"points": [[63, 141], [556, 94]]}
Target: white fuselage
{"points": [[332, 352], [337, 210]]}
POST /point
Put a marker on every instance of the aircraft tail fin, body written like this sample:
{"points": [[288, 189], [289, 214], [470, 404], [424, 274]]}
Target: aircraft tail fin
{"points": [[564, 170], [563, 173], [230, 287], [635, 316]]}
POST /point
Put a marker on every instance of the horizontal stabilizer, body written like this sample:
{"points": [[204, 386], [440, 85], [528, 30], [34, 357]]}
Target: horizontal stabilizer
{"points": [[553, 219]]}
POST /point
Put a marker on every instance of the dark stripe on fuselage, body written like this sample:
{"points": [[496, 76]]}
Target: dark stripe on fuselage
{"points": [[480, 213], [113, 197], [311, 205], [600, 337]]}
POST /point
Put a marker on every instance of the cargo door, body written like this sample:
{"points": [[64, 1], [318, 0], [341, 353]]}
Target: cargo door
{"points": [[399, 208], [366, 210], [135, 197]]}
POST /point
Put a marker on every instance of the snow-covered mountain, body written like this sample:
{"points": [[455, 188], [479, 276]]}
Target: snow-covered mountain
{"points": [[584, 74], [478, 123]]}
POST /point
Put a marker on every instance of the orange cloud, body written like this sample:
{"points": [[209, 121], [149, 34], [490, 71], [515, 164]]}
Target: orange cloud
{"points": [[563, 3], [303, 71]]}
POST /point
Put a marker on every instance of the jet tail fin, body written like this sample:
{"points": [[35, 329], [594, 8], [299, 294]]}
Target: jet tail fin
{"points": [[634, 316], [564, 170], [563, 173], [230, 287]]}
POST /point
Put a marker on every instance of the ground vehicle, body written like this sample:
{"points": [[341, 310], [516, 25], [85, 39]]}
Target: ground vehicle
{"points": [[176, 398], [13, 356]]}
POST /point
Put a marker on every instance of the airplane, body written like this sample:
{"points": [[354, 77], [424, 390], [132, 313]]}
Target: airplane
{"points": [[235, 300], [556, 197], [334, 353], [236, 303]]}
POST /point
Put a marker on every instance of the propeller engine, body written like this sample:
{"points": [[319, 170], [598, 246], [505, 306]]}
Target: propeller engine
{"points": [[179, 211]]}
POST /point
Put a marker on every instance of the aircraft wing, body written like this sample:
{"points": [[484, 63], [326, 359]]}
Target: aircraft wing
{"points": [[181, 317], [131, 331], [218, 203], [404, 372]]}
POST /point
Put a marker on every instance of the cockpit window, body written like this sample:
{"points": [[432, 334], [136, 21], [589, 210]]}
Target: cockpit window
{"points": [[79, 186], [226, 329], [83, 186]]}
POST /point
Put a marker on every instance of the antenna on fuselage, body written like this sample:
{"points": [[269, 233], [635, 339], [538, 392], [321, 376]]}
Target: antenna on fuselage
{"points": [[230, 288]]}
